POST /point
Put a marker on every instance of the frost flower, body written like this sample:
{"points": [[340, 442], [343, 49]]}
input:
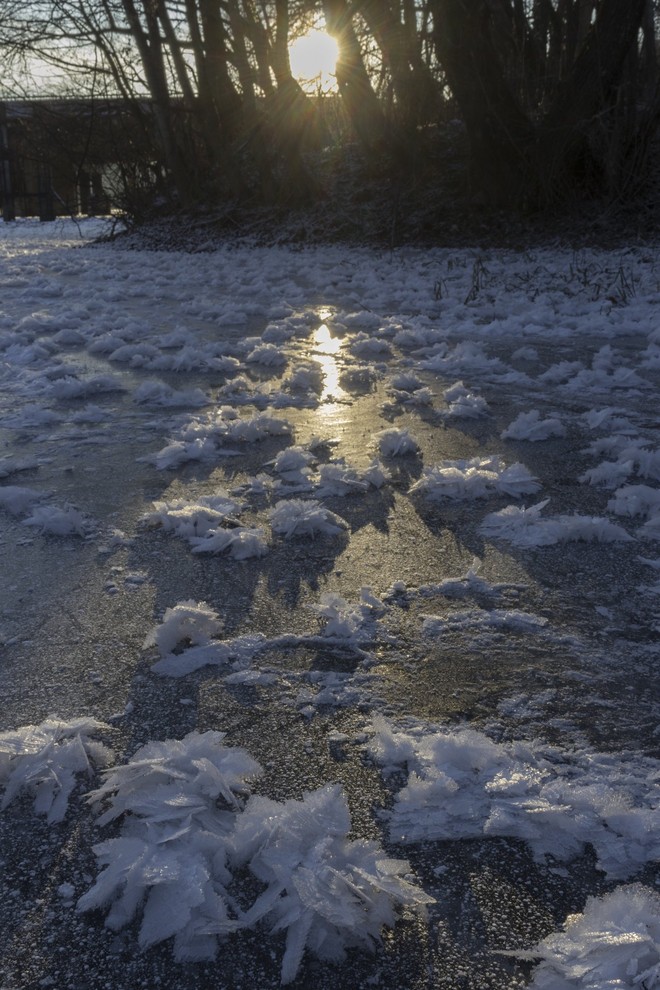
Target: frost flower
{"points": [[328, 893], [294, 517], [45, 760], [188, 622], [615, 942]]}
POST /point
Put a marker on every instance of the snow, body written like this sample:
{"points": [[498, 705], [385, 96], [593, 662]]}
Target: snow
{"points": [[530, 426], [206, 556], [188, 622], [329, 893]]}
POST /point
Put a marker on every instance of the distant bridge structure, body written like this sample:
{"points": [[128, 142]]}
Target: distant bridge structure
{"points": [[68, 156]]}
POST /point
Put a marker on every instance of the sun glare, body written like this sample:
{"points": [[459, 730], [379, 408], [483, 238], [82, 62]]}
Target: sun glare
{"points": [[313, 59]]}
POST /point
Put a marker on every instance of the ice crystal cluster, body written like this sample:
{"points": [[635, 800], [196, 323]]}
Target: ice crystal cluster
{"points": [[462, 784], [187, 835], [614, 944], [45, 760]]}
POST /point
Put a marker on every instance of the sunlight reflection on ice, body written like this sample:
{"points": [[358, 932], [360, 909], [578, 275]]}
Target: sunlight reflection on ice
{"points": [[326, 348]]}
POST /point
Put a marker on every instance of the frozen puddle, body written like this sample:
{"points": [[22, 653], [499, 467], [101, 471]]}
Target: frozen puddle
{"points": [[329, 626]]}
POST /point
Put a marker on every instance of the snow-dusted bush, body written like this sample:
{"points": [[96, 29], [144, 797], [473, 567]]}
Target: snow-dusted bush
{"points": [[294, 517], [476, 477], [45, 760], [613, 945], [328, 893]]}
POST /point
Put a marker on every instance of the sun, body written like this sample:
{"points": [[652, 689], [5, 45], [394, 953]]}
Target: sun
{"points": [[313, 59]]}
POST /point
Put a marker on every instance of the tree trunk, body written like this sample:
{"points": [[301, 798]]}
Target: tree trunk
{"points": [[353, 81], [517, 158], [499, 132]]}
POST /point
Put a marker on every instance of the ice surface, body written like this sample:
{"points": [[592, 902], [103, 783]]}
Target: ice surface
{"points": [[169, 865]]}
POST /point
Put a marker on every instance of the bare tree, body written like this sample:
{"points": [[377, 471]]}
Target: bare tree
{"points": [[543, 88]]}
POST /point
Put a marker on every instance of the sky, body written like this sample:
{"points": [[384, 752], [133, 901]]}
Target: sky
{"points": [[320, 563]]}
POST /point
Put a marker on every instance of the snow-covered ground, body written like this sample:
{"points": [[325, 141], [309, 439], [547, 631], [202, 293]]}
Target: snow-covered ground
{"points": [[330, 616]]}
